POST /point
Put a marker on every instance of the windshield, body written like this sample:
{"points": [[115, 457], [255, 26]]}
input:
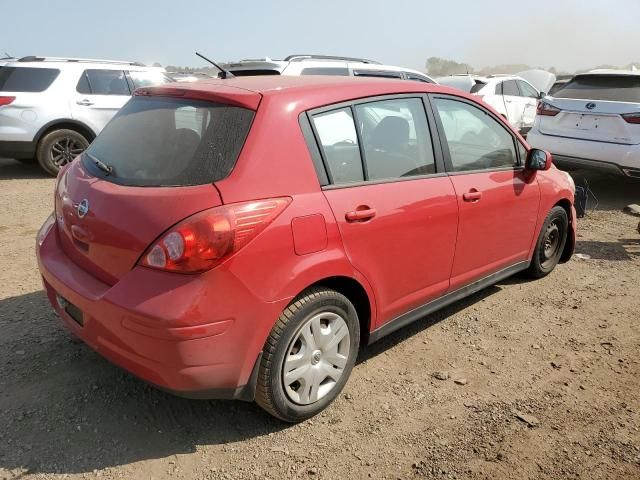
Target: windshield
{"points": [[161, 141]]}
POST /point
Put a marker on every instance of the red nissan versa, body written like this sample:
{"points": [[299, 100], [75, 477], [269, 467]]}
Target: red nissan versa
{"points": [[242, 238]]}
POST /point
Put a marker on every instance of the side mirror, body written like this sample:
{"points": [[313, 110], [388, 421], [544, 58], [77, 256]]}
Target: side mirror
{"points": [[538, 160], [541, 95]]}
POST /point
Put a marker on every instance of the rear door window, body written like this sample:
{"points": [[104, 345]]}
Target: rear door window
{"points": [[527, 90], [336, 131], [26, 79], [395, 138], [509, 87], [341, 71], [162, 141], [377, 73], [476, 141], [103, 82], [613, 88]]}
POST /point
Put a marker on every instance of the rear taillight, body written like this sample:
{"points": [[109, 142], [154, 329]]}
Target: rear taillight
{"points": [[633, 118], [6, 100], [205, 239], [547, 110]]}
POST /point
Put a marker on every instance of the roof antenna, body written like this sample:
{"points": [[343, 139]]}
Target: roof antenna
{"points": [[224, 73]]}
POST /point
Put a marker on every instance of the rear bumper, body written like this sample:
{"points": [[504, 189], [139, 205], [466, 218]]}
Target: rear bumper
{"points": [[161, 328], [21, 150], [576, 153]]}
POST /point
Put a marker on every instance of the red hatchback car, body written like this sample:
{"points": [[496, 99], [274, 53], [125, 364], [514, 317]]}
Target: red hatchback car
{"points": [[242, 238]]}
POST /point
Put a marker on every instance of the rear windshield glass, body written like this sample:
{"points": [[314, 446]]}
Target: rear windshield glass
{"points": [[161, 141], [26, 80], [620, 88]]}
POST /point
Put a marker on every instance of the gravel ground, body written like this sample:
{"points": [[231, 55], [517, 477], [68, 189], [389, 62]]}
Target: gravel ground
{"points": [[524, 380]]}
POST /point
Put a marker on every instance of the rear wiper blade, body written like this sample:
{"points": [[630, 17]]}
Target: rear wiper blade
{"points": [[108, 169]]}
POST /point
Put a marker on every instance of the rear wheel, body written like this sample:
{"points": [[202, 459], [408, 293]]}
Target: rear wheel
{"points": [[59, 147], [551, 242], [309, 355]]}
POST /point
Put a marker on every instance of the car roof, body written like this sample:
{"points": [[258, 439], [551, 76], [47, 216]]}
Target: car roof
{"points": [[304, 92], [605, 72], [56, 62]]}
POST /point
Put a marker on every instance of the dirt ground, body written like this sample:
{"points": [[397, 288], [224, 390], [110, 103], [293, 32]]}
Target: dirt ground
{"points": [[543, 381]]}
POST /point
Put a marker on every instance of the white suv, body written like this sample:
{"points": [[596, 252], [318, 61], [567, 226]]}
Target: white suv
{"points": [[323, 65], [510, 95], [593, 122], [52, 108]]}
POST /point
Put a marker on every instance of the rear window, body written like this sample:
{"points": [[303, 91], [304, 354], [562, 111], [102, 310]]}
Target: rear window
{"points": [[325, 71], [477, 87], [613, 88], [26, 80], [161, 141]]}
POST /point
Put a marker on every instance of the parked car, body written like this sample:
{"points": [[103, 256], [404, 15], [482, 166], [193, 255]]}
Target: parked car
{"points": [[243, 238], [512, 96], [52, 108], [5, 60], [323, 65], [593, 122]]}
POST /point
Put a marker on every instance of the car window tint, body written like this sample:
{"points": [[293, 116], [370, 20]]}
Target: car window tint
{"points": [[476, 141], [417, 78], [613, 88], [26, 80], [344, 72], [337, 134], [509, 87], [146, 79], [377, 73], [108, 82], [499, 88], [395, 137], [83, 84], [527, 90]]}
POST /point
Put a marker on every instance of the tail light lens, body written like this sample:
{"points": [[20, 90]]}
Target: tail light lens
{"points": [[633, 118], [6, 100], [205, 239], [547, 110]]}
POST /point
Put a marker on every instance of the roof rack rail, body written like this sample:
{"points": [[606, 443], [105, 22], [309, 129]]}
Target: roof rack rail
{"points": [[300, 57], [34, 58]]}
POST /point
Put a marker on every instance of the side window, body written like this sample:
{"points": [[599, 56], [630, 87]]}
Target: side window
{"points": [[146, 79], [417, 78], [509, 87], [344, 72], [106, 82], [523, 153], [395, 138], [476, 141], [83, 84], [377, 73], [337, 134], [527, 90], [499, 88]]}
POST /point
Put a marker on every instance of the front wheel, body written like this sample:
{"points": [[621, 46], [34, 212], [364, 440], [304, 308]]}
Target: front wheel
{"points": [[550, 244], [309, 355], [59, 147]]}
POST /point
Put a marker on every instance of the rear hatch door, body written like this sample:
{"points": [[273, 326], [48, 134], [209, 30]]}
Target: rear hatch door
{"points": [[152, 166], [592, 108]]}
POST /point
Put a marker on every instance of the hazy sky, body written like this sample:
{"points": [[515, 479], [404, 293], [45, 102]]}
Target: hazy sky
{"points": [[568, 34]]}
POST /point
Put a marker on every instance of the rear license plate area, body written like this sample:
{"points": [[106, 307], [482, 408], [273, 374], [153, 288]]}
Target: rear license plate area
{"points": [[70, 309]]}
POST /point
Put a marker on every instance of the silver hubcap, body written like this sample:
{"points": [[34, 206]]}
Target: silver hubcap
{"points": [[316, 358]]}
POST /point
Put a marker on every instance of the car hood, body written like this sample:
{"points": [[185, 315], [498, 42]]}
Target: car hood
{"points": [[540, 79]]}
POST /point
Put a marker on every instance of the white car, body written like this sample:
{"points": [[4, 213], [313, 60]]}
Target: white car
{"points": [[52, 108], [323, 65], [593, 122], [510, 95]]}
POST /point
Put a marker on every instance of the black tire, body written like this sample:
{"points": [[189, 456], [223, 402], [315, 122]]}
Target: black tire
{"points": [[271, 394], [550, 244], [59, 147]]}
